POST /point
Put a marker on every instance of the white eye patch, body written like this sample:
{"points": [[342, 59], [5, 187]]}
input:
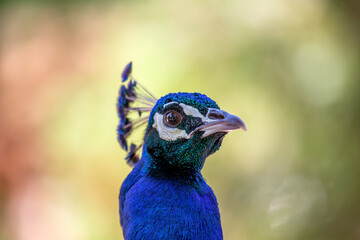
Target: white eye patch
{"points": [[165, 132], [172, 134]]}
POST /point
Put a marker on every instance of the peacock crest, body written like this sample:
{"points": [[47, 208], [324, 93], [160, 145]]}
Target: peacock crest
{"points": [[134, 106]]}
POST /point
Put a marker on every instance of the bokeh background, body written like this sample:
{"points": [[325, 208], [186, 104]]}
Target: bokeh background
{"points": [[289, 68]]}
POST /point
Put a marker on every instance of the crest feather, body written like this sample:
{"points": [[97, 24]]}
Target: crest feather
{"points": [[133, 106]]}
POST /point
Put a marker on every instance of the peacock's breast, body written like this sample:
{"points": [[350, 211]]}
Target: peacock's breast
{"points": [[158, 208]]}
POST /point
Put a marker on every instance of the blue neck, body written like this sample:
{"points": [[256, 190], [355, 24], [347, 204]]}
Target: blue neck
{"points": [[179, 204]]}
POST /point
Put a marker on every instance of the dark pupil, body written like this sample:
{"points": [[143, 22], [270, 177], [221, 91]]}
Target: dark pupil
{"points": [[172, 118]]}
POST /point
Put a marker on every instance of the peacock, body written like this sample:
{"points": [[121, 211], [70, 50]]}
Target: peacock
{"points": [[165, 195]]}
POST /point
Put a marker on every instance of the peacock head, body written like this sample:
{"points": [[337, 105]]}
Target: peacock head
{"points": [[182, 128], [185, 128]]}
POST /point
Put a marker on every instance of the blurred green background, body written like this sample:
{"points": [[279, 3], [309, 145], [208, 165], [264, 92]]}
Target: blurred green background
{"points": [[289, 68]]}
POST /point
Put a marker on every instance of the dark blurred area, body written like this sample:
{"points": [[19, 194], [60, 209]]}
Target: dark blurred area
{"points": [[289, 69]]}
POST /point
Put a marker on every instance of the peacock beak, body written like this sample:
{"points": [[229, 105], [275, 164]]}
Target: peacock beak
{"points": [[220, 121]]}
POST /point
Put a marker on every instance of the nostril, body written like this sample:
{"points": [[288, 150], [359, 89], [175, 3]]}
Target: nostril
{"points": [[216, 116]]}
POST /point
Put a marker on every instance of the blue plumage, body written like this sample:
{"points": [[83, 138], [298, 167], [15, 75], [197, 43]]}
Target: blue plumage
{"points": [[165, 195], [163, 207]]}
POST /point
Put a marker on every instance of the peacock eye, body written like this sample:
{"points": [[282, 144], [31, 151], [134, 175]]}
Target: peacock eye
{"points": [[172, 118]]}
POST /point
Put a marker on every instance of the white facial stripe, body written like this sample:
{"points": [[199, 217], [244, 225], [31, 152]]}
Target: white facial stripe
{"points": [[164, 106], [172, 134], [191, 111]]}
